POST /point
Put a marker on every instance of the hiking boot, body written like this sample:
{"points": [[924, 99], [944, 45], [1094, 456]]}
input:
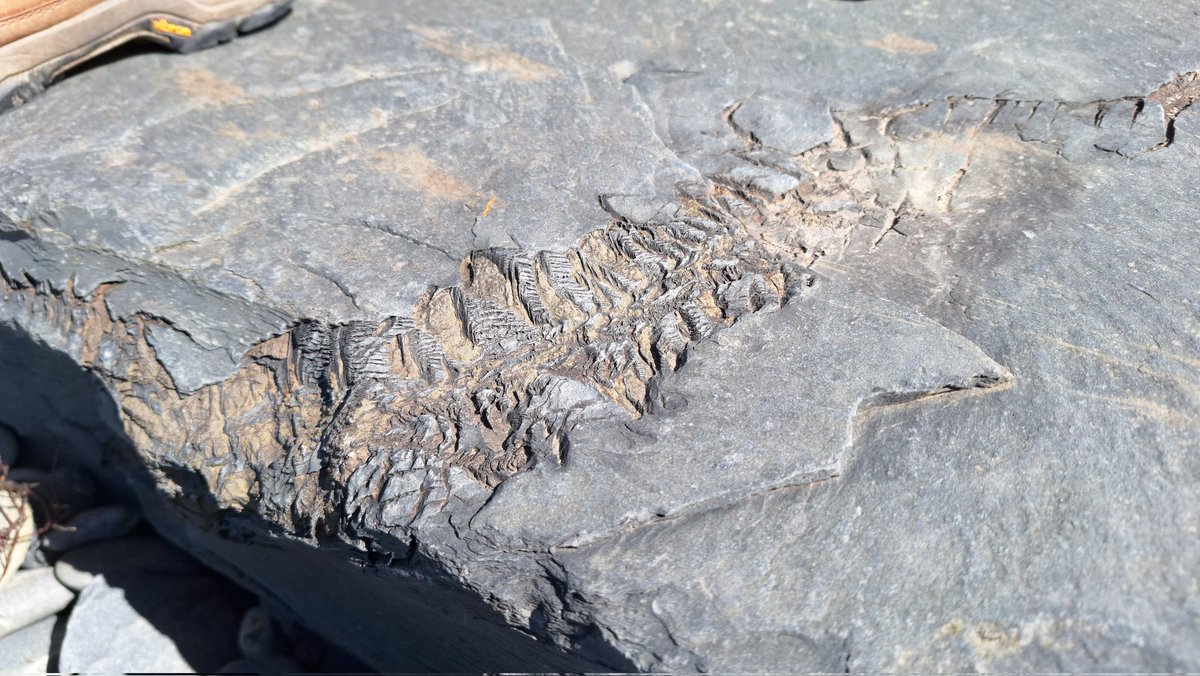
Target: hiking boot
{"points": [[39, 39]]}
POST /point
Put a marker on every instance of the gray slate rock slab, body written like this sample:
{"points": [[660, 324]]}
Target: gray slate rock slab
{"points": [[29, 596], [794, 424], [149, 622], [986, 194]]}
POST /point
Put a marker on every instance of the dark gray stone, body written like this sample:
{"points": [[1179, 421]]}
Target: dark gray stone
{"points": [[801, 337], [59, 494], [262, 641], [27, 475], [29, 596], [100, 523], [9, 449], [118, 557]]}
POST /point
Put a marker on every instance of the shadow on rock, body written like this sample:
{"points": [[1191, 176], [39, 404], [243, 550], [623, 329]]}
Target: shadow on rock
{"points": [[143, 604], [398, 614]]}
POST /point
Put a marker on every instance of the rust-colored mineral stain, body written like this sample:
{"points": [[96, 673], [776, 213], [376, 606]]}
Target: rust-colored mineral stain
{"points": [[894, 43], [207, 86], [487, 59]]}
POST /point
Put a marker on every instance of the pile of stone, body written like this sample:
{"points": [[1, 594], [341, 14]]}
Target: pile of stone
{"points": [[85, 586]]}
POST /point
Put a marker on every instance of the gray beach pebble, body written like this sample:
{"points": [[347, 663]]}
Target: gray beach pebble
{"points": [[27, 650], [29, 596], [161, 623]]}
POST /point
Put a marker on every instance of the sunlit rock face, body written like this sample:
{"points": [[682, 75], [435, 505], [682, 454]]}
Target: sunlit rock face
{"points": [[808, 337]]}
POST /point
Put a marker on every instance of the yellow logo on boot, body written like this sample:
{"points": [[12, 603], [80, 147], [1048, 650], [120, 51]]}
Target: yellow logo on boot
{"points": [[166, 27]]}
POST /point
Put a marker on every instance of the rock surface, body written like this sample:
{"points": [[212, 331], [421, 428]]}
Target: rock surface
{"points": [[25, 651], [16, 531], [30, 596], [819, 337], [138, 622], [94, 525], [9, 449]]}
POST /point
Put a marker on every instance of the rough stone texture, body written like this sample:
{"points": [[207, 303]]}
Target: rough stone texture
{"points": [[742, 337]]}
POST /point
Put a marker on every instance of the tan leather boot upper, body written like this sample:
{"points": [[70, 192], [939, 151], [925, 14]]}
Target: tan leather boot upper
{"points": [[42, 39], [19, 18]]}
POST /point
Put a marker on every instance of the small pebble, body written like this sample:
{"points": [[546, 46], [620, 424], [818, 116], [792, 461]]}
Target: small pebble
{"points": [[123, 558], [258, 638], [29, 596], [101, 523], [145, 622], [834, 206], [844, 161], [763, 179], [8, 447], [27, 651], [71, 577]]}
